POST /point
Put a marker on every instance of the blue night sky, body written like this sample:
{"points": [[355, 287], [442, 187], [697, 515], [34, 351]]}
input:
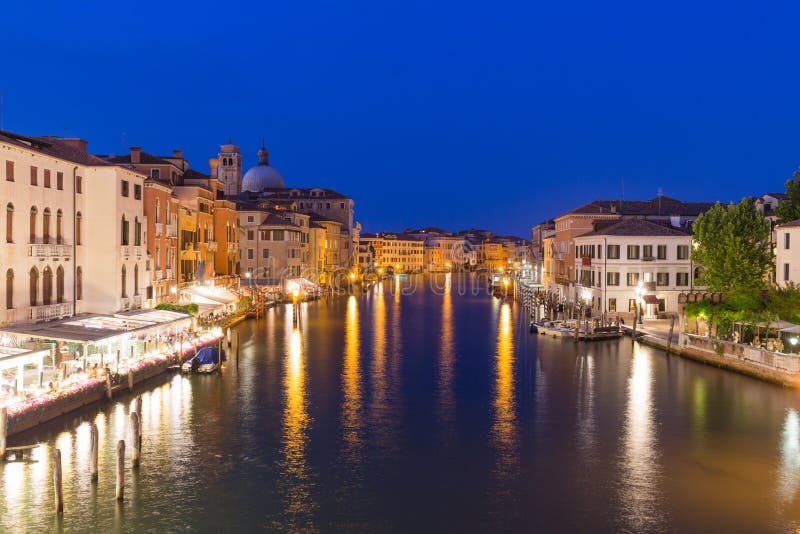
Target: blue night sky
{"points": [[454, 114]]}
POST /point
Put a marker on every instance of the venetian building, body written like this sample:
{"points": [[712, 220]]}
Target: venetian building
{"points": [[229, 169]]}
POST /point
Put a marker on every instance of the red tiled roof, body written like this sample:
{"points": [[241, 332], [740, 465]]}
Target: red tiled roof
{"points": [[792, 224], [53, 146], [663, 206], [639, 227]]}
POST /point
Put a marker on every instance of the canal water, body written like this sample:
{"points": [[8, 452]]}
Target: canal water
{"points": [[414, 408]]}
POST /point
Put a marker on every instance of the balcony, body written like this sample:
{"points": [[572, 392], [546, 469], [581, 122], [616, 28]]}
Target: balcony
{"points": [[124, 303], [212, 246], [157, 275], [648, 258], [137, 251], [48, 312], [159, 229], [172, 230], [125, 250], [8, 317], [169, 275], [232, 246], [49, 251]]}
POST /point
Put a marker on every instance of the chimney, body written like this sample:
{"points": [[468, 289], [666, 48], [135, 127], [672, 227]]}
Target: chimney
{"points": [[613, 208], [212, 164], [177, 154], [76, 142], [136, 154]]}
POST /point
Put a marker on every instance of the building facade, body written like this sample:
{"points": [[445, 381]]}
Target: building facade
{"points": [[787, 254], [634, 262], [65, 209]]}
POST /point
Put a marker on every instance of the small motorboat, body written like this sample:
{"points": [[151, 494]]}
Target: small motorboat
{"points": [[533, 328], [206, 361]]}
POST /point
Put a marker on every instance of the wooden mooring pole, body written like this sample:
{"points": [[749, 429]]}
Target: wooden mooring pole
{"points": [[136, 438], [59, 495], [3, 432], [94, 452], [120, 470], [671, 329]]}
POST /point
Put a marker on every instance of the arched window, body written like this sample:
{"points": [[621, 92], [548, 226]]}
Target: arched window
{"points": [[60, 284], [136, 279], [47, 286], [78, 218], [79, 284], [33, 286], [124, 282], [9, 223], [137, 232], [34, 212], [59, 233], [124, 229], [46, 226], [10, 289]]}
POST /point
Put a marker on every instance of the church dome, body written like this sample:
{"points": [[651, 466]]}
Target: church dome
{"points": [[263, 175]]}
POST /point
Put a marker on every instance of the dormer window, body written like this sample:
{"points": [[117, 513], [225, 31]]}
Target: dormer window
{"points": [[155, 174]]}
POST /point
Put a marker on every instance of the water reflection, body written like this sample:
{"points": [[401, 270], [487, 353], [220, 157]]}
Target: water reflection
{"points": [[351, 382], [585, 407], [379, 409], [789, 475], [504, 426], [446, 400], [639, 493], [295, 472]]}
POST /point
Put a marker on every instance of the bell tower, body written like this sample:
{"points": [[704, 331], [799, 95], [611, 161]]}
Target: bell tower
{"points": [[230, 169]]}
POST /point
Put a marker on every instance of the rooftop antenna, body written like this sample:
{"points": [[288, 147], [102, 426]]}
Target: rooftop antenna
{"points": [[660, 193]]}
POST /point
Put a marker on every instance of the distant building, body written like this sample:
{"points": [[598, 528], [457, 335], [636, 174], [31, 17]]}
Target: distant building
{"points": [[614, 260], [787, 254], [402, 253], [583, 220]]}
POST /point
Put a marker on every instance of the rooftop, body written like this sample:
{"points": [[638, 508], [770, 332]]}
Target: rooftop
{"points": [[658, 206], [639, 228], [67, 149]]}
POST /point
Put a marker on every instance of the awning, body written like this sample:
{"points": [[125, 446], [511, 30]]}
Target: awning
{"points": [[650, 299]]}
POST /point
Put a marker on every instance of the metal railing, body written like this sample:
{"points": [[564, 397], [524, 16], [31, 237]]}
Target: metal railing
{"points": [[159, 229], [125, 250], [47, 312], [755, 355], [49, 251], [232, 246], [211, 245]]}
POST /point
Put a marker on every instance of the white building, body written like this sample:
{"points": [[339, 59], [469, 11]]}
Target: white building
{"points": [[614, 261], [787, 253], [73, 239]]}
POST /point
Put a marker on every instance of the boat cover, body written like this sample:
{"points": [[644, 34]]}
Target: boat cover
{"points": [[208, 355]]}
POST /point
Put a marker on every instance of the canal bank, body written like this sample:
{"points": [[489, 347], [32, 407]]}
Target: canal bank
{"points": [[777, 368]]}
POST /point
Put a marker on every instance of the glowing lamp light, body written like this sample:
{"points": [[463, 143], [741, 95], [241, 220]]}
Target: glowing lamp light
{"points": [[173, 290], [793, 341], [352, 276]]}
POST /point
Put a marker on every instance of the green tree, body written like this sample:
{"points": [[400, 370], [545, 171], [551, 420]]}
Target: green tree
{"points": [[788, 210], [732, 245]]}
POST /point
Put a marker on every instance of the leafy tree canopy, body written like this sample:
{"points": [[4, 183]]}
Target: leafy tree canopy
{"points": [[789, 209], [732, 244]]}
